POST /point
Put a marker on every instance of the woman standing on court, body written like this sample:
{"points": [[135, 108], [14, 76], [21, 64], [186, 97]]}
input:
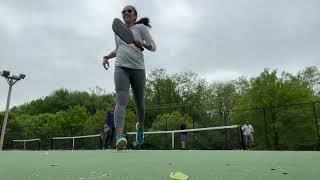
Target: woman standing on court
{"points": [[130, 70]]}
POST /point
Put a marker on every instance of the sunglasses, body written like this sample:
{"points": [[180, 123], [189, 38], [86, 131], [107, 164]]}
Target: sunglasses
{"points": [[128, 10]]}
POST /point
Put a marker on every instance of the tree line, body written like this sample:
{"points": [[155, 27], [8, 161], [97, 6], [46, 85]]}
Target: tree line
{"points": [[283, 108]]}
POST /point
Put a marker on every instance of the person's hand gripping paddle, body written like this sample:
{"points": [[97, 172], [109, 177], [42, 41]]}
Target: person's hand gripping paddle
{"points": [[120, 29]]}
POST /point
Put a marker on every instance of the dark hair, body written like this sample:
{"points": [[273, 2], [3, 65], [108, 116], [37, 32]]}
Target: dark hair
{"points": [[144, 20]]}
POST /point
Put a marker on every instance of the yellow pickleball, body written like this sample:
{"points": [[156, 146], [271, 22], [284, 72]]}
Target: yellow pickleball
{"points": [[178, 176]]}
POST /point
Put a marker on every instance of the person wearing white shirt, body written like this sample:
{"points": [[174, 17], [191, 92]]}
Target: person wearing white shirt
{"points": [[130, 71], [248, 131]]}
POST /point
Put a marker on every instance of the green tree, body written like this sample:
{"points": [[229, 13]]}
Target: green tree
{"points": [[266, 93]]}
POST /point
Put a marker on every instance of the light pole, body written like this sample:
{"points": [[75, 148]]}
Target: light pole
{"points": [[11, 81]]}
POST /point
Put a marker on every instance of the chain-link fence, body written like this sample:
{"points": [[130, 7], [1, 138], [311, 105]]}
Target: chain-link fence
{"points": [[285, 127]]}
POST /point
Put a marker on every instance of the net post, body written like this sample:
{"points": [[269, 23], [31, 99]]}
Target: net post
{"points": [[73, 143], [39, 145], [24, 145], [51, 144], [101, 141], [240, 138], [172, 139]]}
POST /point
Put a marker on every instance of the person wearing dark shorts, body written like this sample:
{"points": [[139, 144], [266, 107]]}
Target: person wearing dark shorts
{"points": [[183, 135], [109, 130]]}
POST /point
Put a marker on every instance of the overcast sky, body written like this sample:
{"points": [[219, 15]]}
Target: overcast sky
{"points": [[59, 43]]}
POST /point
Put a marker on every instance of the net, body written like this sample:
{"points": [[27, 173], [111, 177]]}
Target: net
{"points": [[222, 137], [77, 142], [27, 144]]}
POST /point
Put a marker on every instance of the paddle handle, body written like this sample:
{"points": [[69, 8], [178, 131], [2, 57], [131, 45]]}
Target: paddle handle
{"points": [[141, 47]]}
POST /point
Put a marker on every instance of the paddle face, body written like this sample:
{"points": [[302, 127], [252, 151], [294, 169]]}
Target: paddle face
{"points": [[122, 31]]}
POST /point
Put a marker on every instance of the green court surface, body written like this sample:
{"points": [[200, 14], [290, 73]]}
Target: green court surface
{"points": [[154, 165]]}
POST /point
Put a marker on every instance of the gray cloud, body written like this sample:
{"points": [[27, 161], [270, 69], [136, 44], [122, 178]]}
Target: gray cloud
{"points": [[59, 44]]}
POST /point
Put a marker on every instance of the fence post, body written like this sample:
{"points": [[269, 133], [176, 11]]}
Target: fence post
{"points": [[225, 131], [316, 121], [266, 127]]}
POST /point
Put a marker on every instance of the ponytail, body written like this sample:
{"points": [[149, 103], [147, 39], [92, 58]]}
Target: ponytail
{"points": [[145, 21]]}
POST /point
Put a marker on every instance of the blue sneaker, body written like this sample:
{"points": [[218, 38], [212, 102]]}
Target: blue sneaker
{"points": [[121, 142], [139, 135]]}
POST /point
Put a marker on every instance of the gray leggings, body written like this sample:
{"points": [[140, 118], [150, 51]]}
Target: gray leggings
{"points": [[123, 78]]}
